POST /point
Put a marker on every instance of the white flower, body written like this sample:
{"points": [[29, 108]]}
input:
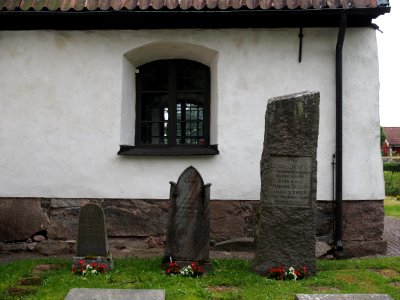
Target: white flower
{"points": [[291, 273], [187, 271]]}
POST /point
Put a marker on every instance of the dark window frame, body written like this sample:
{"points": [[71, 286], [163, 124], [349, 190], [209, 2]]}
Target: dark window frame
{"points": [[172, 147]]}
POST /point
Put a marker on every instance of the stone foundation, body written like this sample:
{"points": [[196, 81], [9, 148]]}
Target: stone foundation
{"points": [[140, 225]]}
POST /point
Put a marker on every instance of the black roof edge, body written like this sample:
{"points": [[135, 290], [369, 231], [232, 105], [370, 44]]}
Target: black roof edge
{"points": [[173, 19]]}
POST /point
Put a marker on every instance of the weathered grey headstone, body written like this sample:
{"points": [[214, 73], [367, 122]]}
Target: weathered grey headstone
{"points": [[286, 219], [188, 235], [343, 297], [115, 294], [92, 235], [92, 243]]}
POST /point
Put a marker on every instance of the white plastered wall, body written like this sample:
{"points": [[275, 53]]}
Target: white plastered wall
{"points": [[65, 110]]}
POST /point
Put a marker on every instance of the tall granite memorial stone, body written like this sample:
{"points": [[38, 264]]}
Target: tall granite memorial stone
{"points": [[92, 243], [286, 218], [188, 234]]}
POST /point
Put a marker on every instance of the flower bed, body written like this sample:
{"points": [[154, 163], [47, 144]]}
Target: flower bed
{"points": [[89, 269], [279, 273], [192, 270], [97, 264]]}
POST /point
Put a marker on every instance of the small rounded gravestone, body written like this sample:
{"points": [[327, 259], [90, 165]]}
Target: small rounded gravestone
{"points": [[92, 243]]}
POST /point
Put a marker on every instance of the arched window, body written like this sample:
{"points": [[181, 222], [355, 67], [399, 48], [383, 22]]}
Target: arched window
{"points": [[173, 107]]}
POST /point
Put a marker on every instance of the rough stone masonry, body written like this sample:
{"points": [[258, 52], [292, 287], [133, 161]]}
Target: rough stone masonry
{"points": [[286, 219]]}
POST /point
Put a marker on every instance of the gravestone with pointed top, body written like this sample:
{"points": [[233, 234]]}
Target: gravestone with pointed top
{"points": [[188, 235], [286, 218]]}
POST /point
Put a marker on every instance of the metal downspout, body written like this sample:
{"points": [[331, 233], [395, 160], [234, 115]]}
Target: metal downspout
{"points": [[339, 132]]}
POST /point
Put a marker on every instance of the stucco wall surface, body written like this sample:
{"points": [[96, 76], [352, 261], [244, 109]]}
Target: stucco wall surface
{"points": [[68, 102]]}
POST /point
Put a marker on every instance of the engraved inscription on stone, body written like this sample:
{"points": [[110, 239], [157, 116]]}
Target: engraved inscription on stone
{"points": [[188, 233], [286, 227], [92, 236], [187, 205], [290, 181], [186, 210]]}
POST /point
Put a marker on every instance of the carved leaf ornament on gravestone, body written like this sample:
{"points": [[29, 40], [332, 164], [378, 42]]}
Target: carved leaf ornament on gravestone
{"points": [[189, 219]]}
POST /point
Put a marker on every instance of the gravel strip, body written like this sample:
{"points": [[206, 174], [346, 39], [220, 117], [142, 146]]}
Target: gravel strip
{"points": [[391, 234]]}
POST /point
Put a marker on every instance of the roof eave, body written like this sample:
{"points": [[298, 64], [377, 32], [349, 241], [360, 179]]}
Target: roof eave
{"points": [[163, 19]]}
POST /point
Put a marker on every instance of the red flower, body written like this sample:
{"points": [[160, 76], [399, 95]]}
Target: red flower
{"points": [[94, 264], [80, 262], [73, 270]]}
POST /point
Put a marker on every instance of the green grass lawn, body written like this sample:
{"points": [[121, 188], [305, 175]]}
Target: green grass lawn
{"points": [[230, 279], [392, 183], [392, 207]]}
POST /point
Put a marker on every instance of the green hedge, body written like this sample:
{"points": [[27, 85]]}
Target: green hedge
{"points": [[392, 183], [391, 166]]}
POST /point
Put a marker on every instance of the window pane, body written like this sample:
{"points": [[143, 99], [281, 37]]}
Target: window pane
{"points": [[179, 111], [200, 113], [155, 77], [189, 121], [188, 99], [153, 106], [191, 76], [154, 133], [154, 123]]}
